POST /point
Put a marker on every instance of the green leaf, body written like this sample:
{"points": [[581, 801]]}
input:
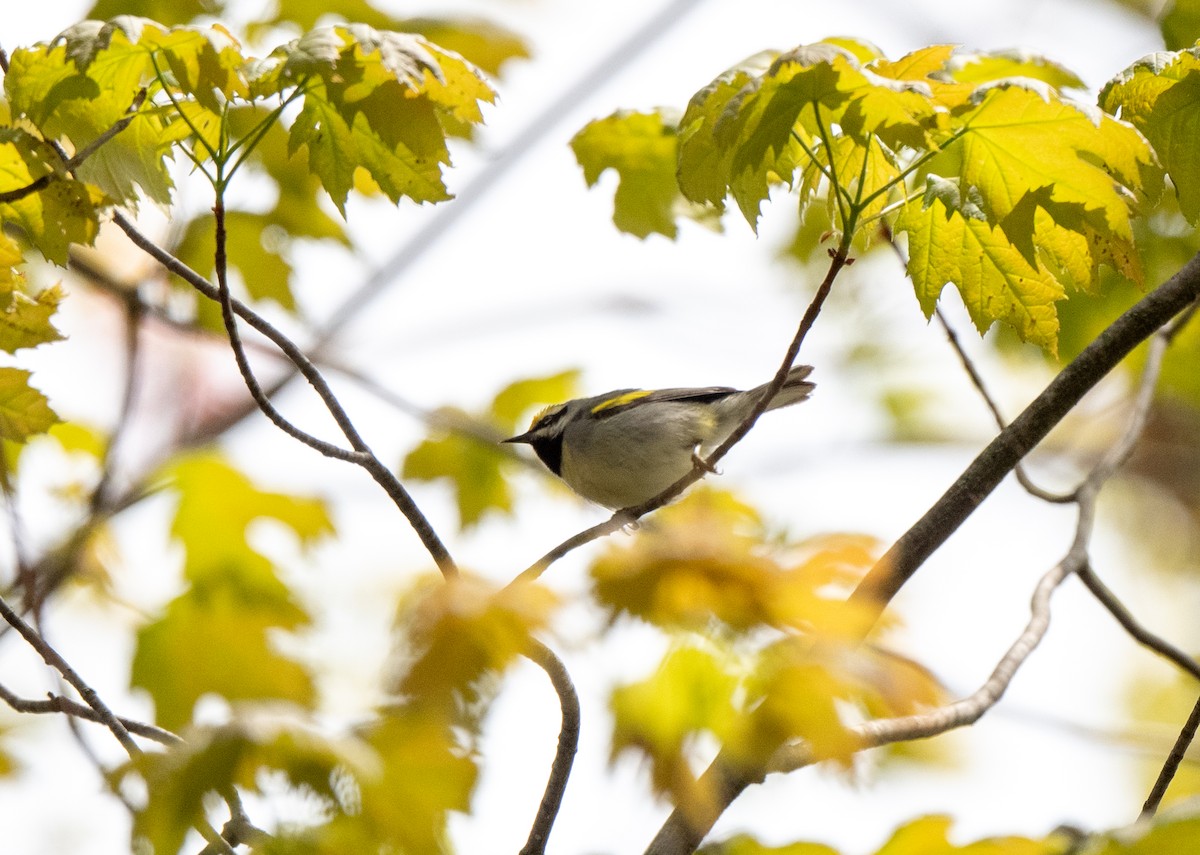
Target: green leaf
{"points": [[24, 320], [216, 506], [475, 470], [640, 148], [691, 692], [214, 639], [995, 280], [1181, 25], [465, 450], [216, 636], [376, 100], [1160, 96], [24, 411], [214, 759], [63, 212]]}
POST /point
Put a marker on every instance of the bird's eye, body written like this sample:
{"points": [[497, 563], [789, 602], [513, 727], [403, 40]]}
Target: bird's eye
{"points": [[548, 417]]}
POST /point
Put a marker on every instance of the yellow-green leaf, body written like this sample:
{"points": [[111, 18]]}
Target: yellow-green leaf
{"points": [[1181, 25], [216, 639], [62, 212], [995, 280], [24, 320], [1160, 96], [744, 844], [690, 693], [24, 411], [641, 149], [215, 758], [476, 470], [455, 631]]}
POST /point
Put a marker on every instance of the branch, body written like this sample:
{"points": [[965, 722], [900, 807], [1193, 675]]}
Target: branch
{"points": [[1171, 766], [361, 455], [998, 417], [52, 658], [622, 518], [564, 756], [970, 709], [682, 834], [908, 553], [66, 706]]}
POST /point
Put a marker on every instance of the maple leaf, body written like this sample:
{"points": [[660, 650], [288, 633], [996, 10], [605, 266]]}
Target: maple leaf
{"points": [[1160, 96], [995, 280], [641, 148]]}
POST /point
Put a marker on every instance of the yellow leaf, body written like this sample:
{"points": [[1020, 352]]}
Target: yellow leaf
{"points": [[995, 280], [453, 632]]}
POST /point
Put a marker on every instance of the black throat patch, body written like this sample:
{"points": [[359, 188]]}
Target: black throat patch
{"points": [[549, 449]]}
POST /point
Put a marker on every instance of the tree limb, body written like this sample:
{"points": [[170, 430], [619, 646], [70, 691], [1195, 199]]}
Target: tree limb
{"points": [[564, 756]]}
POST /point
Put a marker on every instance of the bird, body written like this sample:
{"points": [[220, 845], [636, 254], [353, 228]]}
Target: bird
{"points": [[624, 447]]}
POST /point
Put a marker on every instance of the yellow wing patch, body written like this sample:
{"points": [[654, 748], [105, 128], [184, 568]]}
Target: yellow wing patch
{"points": [[620, 400]]}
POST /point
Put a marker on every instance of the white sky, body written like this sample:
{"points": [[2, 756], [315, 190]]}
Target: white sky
{"points": [[535, 279]]}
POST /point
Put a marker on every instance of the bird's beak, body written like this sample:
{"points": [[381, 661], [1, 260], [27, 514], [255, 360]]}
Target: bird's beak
{"points": [[524, 437]]}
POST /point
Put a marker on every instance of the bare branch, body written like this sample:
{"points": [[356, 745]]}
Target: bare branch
{"points": [[564, 756], [622, 518], [908, 553], [981, 387], [1171, 766], [66, 706], [52, 658], [361, 455], [970, 709]]}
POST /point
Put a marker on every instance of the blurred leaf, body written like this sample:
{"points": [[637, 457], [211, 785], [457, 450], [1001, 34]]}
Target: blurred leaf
{"points": [[250, 249], [703, 559], [691, 692], [169, 12], [744, 844], [215, 637], [1160, 95], [640, 148], [465, 449], [455, 631], [1166, 833], [213, 759], [475, 470], [518, 397], [24, 411], [421, 776], [216, 640], [928, 835], [1181, 24]]}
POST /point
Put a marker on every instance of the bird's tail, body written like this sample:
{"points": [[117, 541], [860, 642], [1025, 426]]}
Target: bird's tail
{"points": [[795, 389]]}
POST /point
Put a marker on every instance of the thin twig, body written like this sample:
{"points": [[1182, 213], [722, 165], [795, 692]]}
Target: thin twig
{"points": [[624, 517], [564, 755], [52, 658], [1178, 751], [59, 704], [970, 709], [982, 476], [361, 455], [981, 387]]}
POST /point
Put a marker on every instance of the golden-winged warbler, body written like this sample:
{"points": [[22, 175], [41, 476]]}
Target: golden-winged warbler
{"points": [[622, 448]]}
